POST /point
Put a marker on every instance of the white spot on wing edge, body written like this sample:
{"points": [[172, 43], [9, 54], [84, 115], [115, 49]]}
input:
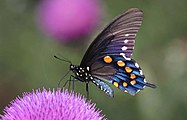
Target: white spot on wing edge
{"points": [[126, 35], [125, 41], [137, 91], [124, 48], [123, 54], [136, 64], [141, 73]]}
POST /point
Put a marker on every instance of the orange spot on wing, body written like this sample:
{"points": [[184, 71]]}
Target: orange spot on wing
{"points": [[132, 76], [107, 59], [125, 84], [116, 84], [128, 69], [133, 82], [121, 63]]}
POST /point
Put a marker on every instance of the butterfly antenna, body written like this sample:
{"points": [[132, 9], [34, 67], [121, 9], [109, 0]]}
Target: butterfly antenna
{"points": [[63, 59], [62, 78]]}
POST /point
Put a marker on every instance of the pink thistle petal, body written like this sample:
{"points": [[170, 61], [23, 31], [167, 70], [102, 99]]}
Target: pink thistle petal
{"points": [[51, 105]]}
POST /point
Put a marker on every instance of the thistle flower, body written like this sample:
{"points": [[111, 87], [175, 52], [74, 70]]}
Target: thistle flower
{"points": [[51, 105], [67, 20]]}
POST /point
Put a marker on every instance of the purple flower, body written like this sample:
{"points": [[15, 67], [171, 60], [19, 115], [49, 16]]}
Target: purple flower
{"points": [[51, 105], [67, 20]]}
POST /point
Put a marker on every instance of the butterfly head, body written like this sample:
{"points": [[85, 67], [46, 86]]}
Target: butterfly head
{"points": [[73, 68]]}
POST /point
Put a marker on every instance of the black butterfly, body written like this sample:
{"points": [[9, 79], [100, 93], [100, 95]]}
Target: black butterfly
{"points": [[108, 58]]}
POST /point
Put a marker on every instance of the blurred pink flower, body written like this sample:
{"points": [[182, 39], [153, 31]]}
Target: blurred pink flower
{"points": [[51, 105], [68, 19]]}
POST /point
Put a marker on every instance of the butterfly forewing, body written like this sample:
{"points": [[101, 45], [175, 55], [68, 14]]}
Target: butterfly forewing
{"points": [[117, 38]]}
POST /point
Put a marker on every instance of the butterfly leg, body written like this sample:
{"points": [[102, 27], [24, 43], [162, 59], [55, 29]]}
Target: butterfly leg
{"points": [[72, 78], [87, 91], [66, 82], [69, 81], [63, 78]]}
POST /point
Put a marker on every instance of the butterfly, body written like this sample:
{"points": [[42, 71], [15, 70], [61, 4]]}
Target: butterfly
{"points": [[108, 58]]}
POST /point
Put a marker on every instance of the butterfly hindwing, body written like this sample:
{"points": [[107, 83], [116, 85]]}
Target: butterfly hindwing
{"points": [[124, 74]]}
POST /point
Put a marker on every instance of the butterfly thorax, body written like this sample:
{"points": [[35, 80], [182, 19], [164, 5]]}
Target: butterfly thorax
{"points": [[81, 73]]}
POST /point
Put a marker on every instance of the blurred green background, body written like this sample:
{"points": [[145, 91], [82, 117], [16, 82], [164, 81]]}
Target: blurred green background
{"points": [[26, 58]]}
